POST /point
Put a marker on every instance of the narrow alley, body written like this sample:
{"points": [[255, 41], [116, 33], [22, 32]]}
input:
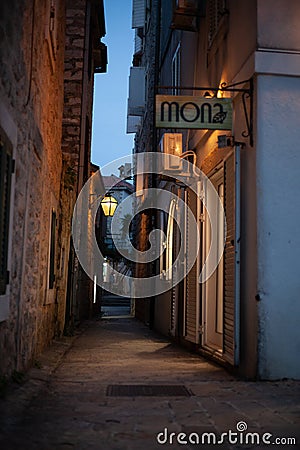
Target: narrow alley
{"points": [[149, 207], [73, 398]]}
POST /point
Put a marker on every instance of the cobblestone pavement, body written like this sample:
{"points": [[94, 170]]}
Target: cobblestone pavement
{"points": [[68, 408]]}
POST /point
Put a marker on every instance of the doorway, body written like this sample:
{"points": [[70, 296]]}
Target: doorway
{"points": [[213, 288]]}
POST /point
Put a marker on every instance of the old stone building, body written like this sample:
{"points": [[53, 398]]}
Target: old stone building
{"points": [[49, 54], [140, 120], [85, 55], [243, 313]]}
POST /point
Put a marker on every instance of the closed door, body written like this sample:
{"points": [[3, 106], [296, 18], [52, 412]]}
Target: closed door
{"points": [[213, 288]]}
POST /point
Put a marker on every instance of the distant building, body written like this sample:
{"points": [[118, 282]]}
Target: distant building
{"points": [[246, 314], [120, 189], [49, 54]]}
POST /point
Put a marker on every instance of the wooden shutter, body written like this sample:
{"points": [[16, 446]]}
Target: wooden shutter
{"points": [[191, 281], [170, 258], [6, 167], [215, 12], [231, 258], [52, 250]]}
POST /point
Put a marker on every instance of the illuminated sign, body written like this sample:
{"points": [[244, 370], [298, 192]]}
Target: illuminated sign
{"points": [[177, 111]]}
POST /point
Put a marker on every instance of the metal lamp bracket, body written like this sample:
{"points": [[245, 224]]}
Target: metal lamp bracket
{"points": [[247, 93]]}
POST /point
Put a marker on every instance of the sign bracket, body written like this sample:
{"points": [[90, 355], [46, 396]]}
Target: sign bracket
{"points": [[247, 93]]}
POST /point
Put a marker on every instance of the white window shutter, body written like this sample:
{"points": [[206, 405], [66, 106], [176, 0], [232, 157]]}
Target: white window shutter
{"points": [[138, 13], [136, 100]]}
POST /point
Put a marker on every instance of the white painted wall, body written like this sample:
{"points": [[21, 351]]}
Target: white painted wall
{"points": [[278, 225]]}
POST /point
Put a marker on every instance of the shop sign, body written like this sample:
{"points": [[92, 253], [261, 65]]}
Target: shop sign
{"points": [[177, 111]]}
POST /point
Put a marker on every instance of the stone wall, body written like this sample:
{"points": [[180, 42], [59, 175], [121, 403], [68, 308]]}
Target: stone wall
{"points": [[81, 36], [31, 94], [46, 95]]}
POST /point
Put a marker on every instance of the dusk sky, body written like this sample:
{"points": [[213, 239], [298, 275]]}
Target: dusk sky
{"points": [[110, 140]]}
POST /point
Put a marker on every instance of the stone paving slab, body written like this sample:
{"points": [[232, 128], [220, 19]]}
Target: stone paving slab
{"points": [[63, 405]]}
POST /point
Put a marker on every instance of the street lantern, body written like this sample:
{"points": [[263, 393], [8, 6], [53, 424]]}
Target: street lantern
{"points": [[109, 204]]}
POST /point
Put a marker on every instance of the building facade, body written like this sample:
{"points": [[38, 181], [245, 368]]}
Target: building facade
{"points": [[112, 231], [85, 56], [140, 120], [49, 53], [244, 315]]}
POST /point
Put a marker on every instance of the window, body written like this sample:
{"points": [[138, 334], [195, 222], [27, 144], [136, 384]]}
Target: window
{"points": [[51, 30], [163, 244], [167, 247], [169, 242], [53, 26], [140, 174], [86, 162], [215, 12], [176, 70], [90, 47], [6, 169], [52, 250]]}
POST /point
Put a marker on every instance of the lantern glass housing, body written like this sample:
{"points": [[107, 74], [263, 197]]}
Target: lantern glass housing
{"points": [[109, 204]]}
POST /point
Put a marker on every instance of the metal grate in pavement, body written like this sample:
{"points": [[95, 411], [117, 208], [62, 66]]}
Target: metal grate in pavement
{"points": [[154, 390]]}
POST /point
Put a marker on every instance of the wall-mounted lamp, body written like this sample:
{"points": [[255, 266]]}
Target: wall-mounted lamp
{"points": [[109, 205], [171, 145], [208, 94]]}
